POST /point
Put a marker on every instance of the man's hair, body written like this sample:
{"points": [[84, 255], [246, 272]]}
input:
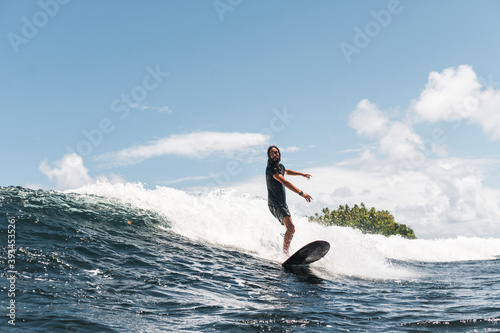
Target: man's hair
{"points": [[269, 151]]}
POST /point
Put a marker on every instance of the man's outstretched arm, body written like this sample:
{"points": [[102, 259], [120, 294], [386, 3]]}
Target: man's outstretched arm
{"points": [[296, 173], [291, 187]]}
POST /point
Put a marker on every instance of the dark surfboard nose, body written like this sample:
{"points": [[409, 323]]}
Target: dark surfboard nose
{"points": [[309, 253]]}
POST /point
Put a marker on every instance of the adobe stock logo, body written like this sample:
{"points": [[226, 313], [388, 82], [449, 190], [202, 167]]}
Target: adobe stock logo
{"points": [[120, 106], [372, 29], [30, 28], [223, 6]]}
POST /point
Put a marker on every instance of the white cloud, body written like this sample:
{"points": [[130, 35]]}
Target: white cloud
{"points": [[291, 149], [33, 186], [427, 190], [164, 109], [400, 141], [448, 95], [194, 145], [488, 113], [396, 139], [70, 173], [161, 109], [368, 120], [185, 179], [456, 94]]}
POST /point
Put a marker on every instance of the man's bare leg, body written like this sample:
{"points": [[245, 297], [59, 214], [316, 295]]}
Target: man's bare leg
{"points": [[290, 230]]}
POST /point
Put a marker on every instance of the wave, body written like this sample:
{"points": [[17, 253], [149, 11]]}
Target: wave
{"points": [[243, 222], [231, 221]]}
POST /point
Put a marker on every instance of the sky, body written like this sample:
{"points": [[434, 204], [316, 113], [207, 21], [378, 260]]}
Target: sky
{"points": [[392, 103]]}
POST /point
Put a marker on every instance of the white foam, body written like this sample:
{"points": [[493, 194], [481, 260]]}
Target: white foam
{"points": [[438, 250], [243, 222]]}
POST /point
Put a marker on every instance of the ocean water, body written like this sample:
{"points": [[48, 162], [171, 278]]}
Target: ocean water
{"points": [[122, 258]]}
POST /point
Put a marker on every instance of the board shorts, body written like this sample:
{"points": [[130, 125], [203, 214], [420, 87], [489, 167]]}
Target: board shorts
{"points": [[280, 212]]}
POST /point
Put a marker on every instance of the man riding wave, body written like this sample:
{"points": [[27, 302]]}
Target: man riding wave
{"points": [[276, 197]]}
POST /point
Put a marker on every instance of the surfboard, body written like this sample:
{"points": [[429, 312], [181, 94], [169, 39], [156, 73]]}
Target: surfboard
{"points": [[308, 254]]}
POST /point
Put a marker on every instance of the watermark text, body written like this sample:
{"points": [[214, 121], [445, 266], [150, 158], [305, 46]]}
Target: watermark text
{"points": [[11, 271]]}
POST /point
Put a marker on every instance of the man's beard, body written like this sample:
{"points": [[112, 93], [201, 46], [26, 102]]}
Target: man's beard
{"points": [[275, 161]]}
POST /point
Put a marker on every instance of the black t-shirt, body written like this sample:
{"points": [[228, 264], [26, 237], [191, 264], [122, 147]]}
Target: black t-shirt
{"points": [[275, 190]]}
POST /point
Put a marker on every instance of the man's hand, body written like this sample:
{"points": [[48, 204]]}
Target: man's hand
{"points": [[308, 176], [307, 197]]}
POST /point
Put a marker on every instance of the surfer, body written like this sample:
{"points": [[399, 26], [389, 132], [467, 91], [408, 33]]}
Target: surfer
{"points": [[276, 197]]}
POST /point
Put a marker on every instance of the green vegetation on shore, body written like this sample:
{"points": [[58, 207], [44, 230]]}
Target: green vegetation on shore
{"points": [[368, 221]]}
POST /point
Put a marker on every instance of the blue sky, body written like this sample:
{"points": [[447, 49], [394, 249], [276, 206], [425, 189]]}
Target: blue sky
{"points": [[189, 94]]}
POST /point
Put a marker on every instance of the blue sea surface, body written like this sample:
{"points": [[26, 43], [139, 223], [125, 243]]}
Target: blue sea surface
{"points": [[88, 263]]}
